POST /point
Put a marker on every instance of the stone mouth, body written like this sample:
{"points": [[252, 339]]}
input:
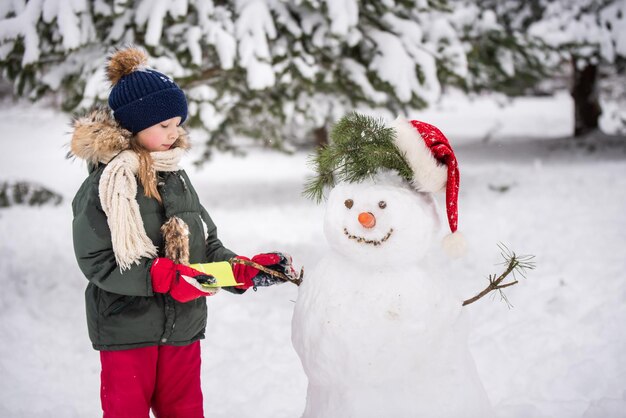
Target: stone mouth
{"points": [[374, 242]]}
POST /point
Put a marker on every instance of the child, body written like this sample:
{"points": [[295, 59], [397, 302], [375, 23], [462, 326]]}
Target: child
{"points": [[137, 223]]}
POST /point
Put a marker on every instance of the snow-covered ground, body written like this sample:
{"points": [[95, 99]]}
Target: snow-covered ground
{"points": [[559, 352]]}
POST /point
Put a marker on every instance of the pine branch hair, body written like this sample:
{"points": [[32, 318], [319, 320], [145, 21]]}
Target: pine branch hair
{"points": [[360, 147]]}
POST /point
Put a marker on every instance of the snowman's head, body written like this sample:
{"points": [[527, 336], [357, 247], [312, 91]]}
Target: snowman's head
{"points": [[382, 220]]}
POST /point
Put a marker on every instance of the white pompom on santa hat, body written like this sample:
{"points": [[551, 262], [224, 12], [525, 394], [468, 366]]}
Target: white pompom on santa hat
{"points": [[435, 168]]}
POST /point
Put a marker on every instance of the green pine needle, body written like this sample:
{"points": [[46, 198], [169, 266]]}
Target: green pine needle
{"points": [[360, 146]]}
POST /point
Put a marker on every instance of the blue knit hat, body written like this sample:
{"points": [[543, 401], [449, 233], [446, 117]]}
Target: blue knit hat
{"points": [[141, 97]]}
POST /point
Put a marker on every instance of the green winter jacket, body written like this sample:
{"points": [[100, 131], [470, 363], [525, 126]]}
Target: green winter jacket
{"points": [[122, 310]]}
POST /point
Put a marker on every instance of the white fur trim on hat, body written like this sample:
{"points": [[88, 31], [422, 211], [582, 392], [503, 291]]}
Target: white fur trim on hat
{"points": [[428, 174]]}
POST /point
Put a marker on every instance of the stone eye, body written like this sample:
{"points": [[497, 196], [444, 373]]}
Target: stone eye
{"points": [[382, 204], [349, 203]]}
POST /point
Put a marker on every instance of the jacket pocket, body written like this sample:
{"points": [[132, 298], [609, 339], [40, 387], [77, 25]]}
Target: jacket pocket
{"points": [[119, 305]]}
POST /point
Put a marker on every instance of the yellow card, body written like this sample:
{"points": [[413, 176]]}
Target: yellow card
{"points": [[221, 270]]}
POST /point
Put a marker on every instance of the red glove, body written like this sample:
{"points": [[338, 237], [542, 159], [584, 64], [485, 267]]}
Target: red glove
{"points": [[179, 280], [251, 276]]}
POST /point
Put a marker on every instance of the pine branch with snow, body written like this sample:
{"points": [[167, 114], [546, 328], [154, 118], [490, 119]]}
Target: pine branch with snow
{"points": [[27, 193]]}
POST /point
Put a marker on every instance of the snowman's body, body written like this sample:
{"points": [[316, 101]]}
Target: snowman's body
{"points": [[378, 335]]}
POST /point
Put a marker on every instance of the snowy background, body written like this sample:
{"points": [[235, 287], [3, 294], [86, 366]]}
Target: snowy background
{"points": [[559, 352]]}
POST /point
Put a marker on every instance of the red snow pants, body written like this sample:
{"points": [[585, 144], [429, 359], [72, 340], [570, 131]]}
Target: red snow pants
{"points": [[164, 378]]}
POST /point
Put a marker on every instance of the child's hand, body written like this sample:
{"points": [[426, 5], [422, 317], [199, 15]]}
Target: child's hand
{"points": [[251, 276], [179, 280]]}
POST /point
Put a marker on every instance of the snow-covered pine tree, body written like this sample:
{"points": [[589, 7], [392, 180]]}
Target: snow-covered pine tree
{"points": [[35, 36], [591, 35], [500, 56], [583, 40], [274, 70], [524, 47]]}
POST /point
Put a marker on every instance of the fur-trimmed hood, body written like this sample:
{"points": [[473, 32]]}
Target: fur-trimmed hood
{"points": [[97, 137]]}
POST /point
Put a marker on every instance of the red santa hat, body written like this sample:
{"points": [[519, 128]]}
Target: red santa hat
{"points": [[435, 168]]}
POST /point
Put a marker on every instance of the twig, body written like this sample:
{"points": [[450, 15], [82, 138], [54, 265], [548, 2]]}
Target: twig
{"points": [[514, 264], [274, 273]]}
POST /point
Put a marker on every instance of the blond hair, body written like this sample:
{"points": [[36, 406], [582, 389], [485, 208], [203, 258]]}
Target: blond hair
{"points": [[147, 173]]}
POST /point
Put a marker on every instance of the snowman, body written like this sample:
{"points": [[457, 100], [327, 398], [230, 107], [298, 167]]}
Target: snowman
{"points": [[378, 333]]}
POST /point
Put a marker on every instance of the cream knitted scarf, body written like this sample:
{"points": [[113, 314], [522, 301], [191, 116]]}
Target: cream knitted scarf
{"points": [[118, 191]]}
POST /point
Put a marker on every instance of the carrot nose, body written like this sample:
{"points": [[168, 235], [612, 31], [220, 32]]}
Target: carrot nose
{"points": [[367, 219]]}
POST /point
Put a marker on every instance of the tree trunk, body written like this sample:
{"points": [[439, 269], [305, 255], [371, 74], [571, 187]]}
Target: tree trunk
{"points": [[321, 136], [585, 94]]}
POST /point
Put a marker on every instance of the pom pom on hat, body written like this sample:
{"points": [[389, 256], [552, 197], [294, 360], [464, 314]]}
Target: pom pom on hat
{"points": [[140, 96], [454, 245], [124, 62], [434, 167]]}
